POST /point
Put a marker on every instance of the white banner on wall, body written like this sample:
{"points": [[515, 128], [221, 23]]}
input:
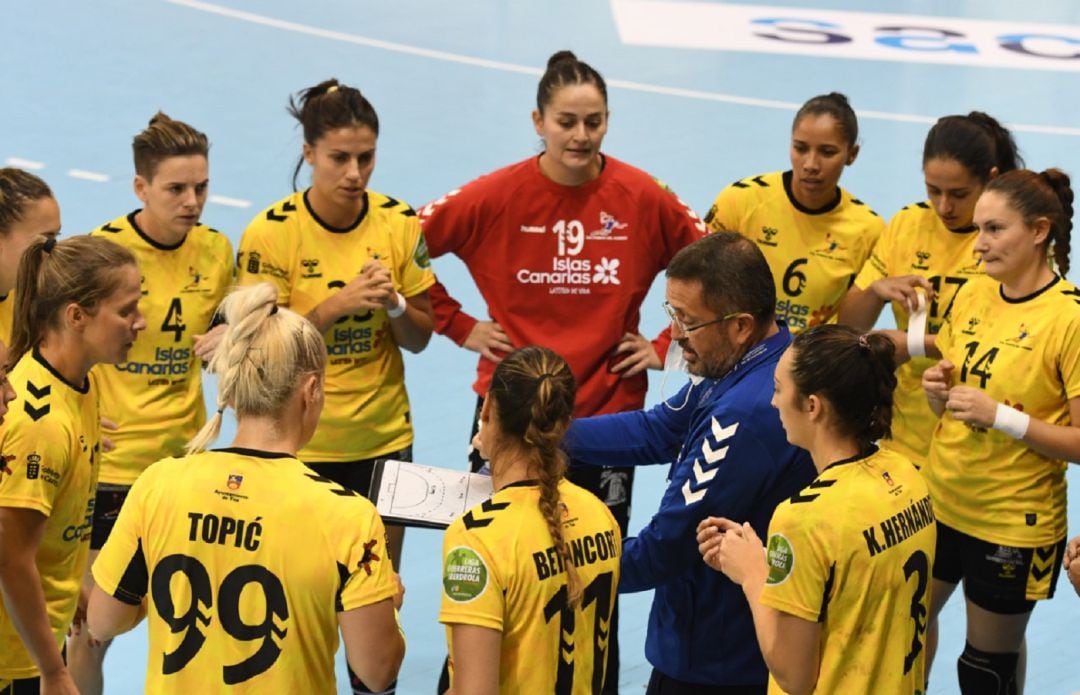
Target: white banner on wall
{"points": [[844, 34]]}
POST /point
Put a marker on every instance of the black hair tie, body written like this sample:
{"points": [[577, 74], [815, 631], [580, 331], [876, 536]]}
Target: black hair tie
{"points": [[50, 244]]}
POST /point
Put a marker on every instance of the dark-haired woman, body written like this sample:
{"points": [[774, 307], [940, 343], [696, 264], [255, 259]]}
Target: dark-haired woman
{"points": [[353, 262], [1007, 391], [839, 600], [77, 305], [814, 234], [155, 397], [27, 210], [530, 576], [928, 245], [563, 247]]}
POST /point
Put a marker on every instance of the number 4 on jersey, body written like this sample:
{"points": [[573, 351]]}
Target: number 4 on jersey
{"points": [[174, 320]]}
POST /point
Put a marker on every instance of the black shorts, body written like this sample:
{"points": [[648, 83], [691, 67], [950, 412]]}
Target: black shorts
{"points": [[356, 475], [998, 578], [107, 503], [21, 686]]}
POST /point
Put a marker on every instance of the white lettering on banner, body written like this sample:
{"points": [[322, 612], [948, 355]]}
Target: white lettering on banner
{"points": [[852, 35]]}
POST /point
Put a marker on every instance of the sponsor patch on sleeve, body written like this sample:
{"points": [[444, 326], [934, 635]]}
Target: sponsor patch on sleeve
{"points": [[465, 576], [780, 558]]}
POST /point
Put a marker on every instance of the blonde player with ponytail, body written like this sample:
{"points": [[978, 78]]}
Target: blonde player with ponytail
{"points": [[246, 562], [537, 565]]}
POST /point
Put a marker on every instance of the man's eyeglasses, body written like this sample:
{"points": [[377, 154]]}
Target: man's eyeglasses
{"points": [[683, 328]]}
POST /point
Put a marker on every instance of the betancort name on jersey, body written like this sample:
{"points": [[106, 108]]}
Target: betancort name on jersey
{"points": [[851, 35], [569, 274]]}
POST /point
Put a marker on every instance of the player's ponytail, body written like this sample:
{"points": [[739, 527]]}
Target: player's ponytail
{"points": [[1034, 195], [18, 189], [977, 141], [164, 138], [327, 106], [82, 270], [263, 355], [534, 393], [854, 372]]}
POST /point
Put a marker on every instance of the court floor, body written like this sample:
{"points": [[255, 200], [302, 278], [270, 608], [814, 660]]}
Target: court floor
{"points": [[701, 93]]}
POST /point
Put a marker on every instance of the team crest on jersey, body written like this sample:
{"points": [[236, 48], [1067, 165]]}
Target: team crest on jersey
{"points": [[921, 260], [1022, 334], [971, 324], [608, 225], [311, 268], [888, 478], [420, 256], [830, 248], [767, 234], [196, 278], [142, 286], [253, 262], [235, 481]]}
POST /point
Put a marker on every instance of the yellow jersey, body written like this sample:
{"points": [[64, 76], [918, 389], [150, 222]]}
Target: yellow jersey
{"points": [[1024, 353], [501, 571], [49, 445], [916, 242], [156, 398], [813, 254], [367, 410], [245, 557], [854, 551], [7, 316]]}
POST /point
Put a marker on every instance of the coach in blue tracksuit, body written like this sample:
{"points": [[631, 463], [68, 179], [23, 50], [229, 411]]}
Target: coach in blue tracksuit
{"points": [[731, 458]]}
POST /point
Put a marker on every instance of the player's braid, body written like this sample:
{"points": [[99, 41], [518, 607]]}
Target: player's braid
{"points": [[1058, 180], [534, 393]]}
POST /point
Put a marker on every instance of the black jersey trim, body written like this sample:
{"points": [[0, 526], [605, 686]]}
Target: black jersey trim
{"points": [[331, 228], [3, 297], [866, 453], [1027, 298], [255, 453], [134, 581], [84, 389], [146, 237], [964, 230], [828, 207], [528, 482]]}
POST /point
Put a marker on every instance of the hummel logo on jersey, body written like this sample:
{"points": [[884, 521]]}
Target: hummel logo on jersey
{"points": [[534, 229], [607, 272], [311, 268], [713, 455]]}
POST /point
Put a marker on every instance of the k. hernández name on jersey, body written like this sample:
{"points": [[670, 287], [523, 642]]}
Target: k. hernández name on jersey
{"points": [[813, 254], [501, 571], [1024, 353], [917, 243], [49, 463], [367, 409], [854, 551], [563, 266], [732, 460], [245, 558], [7, 319], [155, 398]]}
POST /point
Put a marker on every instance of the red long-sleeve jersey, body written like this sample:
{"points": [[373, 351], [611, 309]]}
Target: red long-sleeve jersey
{"points": [[566, 267]]}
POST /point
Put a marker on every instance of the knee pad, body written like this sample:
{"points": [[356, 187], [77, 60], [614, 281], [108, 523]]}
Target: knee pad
{"points": [[983, 673]]}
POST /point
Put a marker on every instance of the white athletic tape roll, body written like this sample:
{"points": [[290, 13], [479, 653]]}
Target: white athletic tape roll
{"points": [[916, 330]]}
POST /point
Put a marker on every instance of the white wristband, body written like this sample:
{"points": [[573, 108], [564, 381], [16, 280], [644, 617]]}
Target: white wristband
{"points": [[916, 331], [399, 309], [1011, 421]]}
